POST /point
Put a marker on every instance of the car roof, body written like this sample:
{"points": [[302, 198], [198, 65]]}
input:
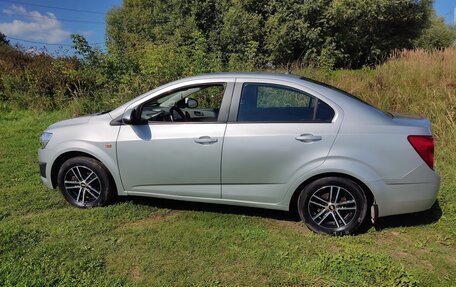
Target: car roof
{"points": [[320, 87], [348, 102], [309, 83], [259, 75]]}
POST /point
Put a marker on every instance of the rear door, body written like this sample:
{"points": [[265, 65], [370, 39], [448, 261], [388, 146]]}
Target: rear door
{"points": [[276, 132]]}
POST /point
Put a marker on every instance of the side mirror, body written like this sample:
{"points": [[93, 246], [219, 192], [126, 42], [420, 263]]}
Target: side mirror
{"points": [[130, 117], [191, 103]]}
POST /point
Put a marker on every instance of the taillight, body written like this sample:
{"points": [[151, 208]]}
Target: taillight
{"points": [[424, 146]]}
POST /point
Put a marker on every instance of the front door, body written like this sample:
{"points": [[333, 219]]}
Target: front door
{"points": [[178, 152]]}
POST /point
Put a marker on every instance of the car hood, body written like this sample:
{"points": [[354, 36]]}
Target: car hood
{"points": [[71, 122]]}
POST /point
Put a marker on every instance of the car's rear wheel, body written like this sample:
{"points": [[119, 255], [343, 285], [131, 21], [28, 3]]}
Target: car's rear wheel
{"points": [[85, 182], [333, 205]]}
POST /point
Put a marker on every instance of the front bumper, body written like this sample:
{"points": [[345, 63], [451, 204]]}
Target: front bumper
{"points": [[45, 168], [42, 169], [47, 182]]}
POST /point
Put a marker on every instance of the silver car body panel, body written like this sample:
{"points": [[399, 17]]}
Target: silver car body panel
{"points": [[93, 136], [254, 164], [165, 158], [261, 159]]}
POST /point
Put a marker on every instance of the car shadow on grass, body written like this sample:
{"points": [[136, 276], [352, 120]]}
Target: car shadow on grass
{"points": [[411, 219], [213, 207]]}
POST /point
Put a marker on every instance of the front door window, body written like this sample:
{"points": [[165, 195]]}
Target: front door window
{"points": [[192, 104]]}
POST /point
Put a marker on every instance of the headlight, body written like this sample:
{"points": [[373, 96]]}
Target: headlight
{"points": [[45, 138]]}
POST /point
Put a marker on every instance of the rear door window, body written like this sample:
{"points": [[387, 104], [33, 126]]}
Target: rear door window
{"points": [[276, 103]]}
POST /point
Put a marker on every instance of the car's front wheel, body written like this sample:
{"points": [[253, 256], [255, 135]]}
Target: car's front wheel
{"points": [[333, 205], [85, 182]]}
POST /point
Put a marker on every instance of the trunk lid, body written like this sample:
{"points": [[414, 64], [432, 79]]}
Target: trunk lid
{"points": [[409, 120]]}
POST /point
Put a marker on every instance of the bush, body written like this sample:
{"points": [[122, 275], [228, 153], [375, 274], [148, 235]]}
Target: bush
{"points": [[437, 36]]}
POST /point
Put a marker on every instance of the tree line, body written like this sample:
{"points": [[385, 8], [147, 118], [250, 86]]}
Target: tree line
{"points": [[255, 33]]}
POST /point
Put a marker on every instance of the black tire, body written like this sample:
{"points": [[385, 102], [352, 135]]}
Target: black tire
{"points": [[341, 214], [79, 180]]}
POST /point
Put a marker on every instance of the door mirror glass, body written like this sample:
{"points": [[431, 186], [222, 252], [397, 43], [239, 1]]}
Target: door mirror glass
{"points": [[191, 103]]}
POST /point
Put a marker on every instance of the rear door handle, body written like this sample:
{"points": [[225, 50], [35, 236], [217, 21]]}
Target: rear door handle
{"points": [[307, 138], [206, 140]]}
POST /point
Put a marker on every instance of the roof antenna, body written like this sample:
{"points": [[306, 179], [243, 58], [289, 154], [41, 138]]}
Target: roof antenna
{"points": [[288, 68]]}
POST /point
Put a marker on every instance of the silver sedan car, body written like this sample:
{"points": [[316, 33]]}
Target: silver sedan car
{"points": [[259, 140]]}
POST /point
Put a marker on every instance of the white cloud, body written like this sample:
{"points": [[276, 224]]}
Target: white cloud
{"points": [[41, 27], [13, 9], [87, 33]]}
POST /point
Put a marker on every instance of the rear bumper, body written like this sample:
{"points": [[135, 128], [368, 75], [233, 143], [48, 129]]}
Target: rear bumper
{"points": [[403, 198]]}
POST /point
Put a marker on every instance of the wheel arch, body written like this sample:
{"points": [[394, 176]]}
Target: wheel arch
{"points": [[62, 158], [294, 198], [58, 162]]}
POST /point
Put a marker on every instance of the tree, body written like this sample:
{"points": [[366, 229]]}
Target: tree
{"points": [[437, 35], [3, 40], [349, 33], [335, 33]]}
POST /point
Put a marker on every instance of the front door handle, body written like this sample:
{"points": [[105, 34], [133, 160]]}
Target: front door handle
{"points": [[308, 138], [206, 140]]}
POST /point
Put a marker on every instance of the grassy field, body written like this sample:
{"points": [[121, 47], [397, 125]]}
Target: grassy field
{"points": [[149, 242]]}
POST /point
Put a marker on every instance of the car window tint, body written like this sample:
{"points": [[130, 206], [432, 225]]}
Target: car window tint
{"points": [[276, 103], [277, 97]]}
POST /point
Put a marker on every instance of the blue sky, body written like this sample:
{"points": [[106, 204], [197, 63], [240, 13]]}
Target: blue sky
{"points": [[52, 21], [40, 21]]}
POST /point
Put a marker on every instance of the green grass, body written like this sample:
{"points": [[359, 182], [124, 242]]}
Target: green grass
{"points": [[147, 242], [150, 242]]}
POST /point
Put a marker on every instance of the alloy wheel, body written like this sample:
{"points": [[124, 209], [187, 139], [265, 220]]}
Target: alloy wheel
{"points": [[332, 207], [82, 184]]}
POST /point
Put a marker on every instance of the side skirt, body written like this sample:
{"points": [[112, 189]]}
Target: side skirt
{"points": [[211, 200]]}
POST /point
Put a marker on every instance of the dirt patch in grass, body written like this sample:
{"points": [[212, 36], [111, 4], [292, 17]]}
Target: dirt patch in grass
{"points": [[161, 217], [135, 273], [296, 226]]}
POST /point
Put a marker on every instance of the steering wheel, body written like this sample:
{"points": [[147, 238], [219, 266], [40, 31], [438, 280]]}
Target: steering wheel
{"points": [[178, 111]]}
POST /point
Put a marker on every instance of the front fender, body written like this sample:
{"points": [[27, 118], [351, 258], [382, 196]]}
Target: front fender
{"points": [[105, 152]]}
